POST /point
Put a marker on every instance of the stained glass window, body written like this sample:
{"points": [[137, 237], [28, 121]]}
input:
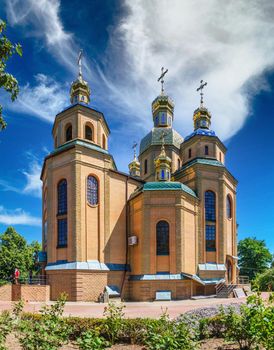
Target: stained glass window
{"points": [[69, 133], [162, 238], [162, 174], [210, 237], [92, 190], [88, 133], [62, 232], [228, 207], [62, 197], [210, 206]]}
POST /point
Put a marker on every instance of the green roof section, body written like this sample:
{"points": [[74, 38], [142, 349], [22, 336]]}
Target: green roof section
{"points": [[205, 161], [168, 186], [69, 144], [154, 137]]}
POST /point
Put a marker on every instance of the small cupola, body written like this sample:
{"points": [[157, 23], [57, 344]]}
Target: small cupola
{"points": [[80, 90], [201, 116], [162, 164], [162, 106], [134, 166]]}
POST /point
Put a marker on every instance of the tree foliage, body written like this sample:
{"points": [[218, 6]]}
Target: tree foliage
{"points": [[7, 80], [254, 257], [265, 281], [15, 252]]}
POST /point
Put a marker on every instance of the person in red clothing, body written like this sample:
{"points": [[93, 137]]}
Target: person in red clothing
{"points": [[16, 275]]}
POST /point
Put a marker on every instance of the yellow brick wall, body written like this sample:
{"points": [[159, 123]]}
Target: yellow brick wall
{"points": [[6, 292], [30, 292]]}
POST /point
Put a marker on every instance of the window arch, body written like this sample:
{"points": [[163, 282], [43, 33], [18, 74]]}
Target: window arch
{"points": [[62, 197], [62, 226], [145, 170], [206, 150], [68, 132], [210, 206], [210, 218], [88, 133], [162, 238], [92, 190], [228, 207], [189, 153], [104, 141]]}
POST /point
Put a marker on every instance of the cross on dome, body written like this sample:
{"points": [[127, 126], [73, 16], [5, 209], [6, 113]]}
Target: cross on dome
{"points": [[161, 78], [200, 88]]}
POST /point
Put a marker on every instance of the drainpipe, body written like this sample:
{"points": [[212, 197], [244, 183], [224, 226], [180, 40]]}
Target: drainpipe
{"points": [[126, 238]]}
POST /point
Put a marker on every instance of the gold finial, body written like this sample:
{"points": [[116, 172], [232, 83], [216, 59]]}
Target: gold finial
{"points": [[79, 62], [161, 78], [203, 84]]}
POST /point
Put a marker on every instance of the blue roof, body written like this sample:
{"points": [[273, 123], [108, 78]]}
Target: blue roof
{"points": [[204, 132], [168, 186]]}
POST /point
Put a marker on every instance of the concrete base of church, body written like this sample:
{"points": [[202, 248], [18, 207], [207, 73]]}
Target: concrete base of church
{"points": [[82, 285], [180, 289]]}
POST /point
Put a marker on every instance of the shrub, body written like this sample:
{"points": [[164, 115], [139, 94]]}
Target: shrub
{"points": [[114, 321], [5, 328], [166, 334], [91, 340], [49, 333], [265, 281], [253, 326]]}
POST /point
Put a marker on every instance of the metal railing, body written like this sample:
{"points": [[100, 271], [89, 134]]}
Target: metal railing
{"points": [[243, 280], [37, 280]]}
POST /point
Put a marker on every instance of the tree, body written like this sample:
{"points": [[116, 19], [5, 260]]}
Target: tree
{"points": [[265, 281], [7, 80], [254, 257], [15, 252]]}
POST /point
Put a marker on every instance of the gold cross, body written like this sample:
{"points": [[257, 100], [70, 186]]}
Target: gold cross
{"points": [[203, 84], [79, 62], [161, 78], [134, 148]]}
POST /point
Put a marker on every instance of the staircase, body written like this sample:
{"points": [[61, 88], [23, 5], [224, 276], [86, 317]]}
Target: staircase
{"points": [[224, 290]]}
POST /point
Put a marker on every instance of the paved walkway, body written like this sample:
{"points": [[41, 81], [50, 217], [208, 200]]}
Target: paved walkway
{"points": [[133, 309]]}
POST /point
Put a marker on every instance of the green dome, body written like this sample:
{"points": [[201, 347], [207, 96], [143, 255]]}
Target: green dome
{"points": [[172, 137]]}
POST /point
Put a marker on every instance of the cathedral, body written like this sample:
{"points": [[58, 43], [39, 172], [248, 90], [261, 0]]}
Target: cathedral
{"points": [[167, 229]]}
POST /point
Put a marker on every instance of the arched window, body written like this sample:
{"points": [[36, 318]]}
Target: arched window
{"points": [[210, 206], [179, 163], [62, 229], [162, 238], [210, 217], [62, 197], [92, 190], [104, 141], [228, 207], [206, 150], [220, 156], [189, 153], [88, 133], [145, 170], [55, 142], [69, 132]]}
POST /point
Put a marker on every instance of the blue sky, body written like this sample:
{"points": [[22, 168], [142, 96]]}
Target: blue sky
{"points": [[125, 45]]}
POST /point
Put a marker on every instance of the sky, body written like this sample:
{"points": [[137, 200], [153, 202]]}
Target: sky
{"points": [[229, 44]]}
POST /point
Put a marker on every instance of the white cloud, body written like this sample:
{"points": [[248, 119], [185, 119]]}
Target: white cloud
{"points": [[33, 185], [44, 99], [228, 44], [18, 217]]}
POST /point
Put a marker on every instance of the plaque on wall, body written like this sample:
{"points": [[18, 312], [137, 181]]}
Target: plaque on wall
{"points": [[163, 295]]}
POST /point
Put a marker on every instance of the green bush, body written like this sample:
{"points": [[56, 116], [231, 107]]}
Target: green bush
{"points": [[264, 281], [165, 334], [49, 333], [5, 328], [92, 340], [114, 321]]}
